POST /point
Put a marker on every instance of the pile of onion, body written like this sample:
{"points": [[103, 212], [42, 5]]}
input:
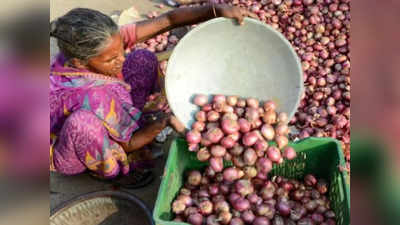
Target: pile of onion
{"points": [[239, 130], [228, 198], [319, 31]]}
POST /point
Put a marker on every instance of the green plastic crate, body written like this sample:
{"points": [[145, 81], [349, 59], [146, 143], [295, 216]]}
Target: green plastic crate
{"points": [[319, 156]]}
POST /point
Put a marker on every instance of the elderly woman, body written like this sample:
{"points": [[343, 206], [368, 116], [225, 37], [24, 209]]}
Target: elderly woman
{"points": [[97, 94]]}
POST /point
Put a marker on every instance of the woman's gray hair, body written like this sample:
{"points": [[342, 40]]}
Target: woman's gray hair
{"points": [[82, 33]]}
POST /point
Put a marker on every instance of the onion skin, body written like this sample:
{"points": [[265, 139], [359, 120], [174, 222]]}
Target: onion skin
{"points": [[201, 116], [193, 137], [248, 216], [269, 106], [261, 145], [289, 153], [261, 220], [214, 135], [249, 139], [212, 116], [194, 178], [236, 221], [269, 117], [237, 150], [230, 126], [249, 157], [228, 142], [178, 207], [281, 141], [244, 125], [241, 204], [230, 174], [203, 155], [244, 187], [218, 151], [274, 154], [195, 219], [200, 100], [252, 103], [225, 217], [264, 165], [310, 180], [198, 126], [216, 164], [268, 132], [232, 100]]}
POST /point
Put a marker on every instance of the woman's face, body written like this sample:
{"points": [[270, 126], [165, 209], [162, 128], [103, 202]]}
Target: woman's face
{"points": [[109, 62]]}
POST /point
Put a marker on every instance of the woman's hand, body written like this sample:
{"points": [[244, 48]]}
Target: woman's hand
{"points": [[233, 12]]}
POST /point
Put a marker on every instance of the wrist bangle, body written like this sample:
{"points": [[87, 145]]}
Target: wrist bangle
{"points": [[214, 11]]}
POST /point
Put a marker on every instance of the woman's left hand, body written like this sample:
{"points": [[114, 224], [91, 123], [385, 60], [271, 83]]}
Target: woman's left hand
{"points": [[233, 12]]}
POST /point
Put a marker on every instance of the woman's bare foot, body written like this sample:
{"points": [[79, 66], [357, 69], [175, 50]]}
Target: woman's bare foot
{"points": [[177, 125]]}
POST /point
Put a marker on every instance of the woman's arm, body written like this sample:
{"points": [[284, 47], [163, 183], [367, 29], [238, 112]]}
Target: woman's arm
{"points": [[187, 16]]}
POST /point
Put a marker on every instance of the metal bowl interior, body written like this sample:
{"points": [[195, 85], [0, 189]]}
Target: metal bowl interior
{"points": [[220, 57]]}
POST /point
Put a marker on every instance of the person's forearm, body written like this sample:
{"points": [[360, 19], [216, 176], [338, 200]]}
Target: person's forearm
{"points": [[138, 140], [173, 19], [191, 15]]}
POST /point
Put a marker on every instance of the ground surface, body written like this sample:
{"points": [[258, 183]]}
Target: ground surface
{"points": [[64, 188]]}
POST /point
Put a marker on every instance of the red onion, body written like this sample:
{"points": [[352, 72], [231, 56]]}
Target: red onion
{"points": [[249, 157], [207, 108], [203, 155], [218, 151], [225, 217], [186, 199], [232, 100], [261, 145], [281, 141], [205, 142], [298, 195], [209, 172], [237, 150], [268, 191], [248, 216], [236, 221], [269, 106], [249, 139], [238, 161], [178, 207], [297, 213], [244, 187], [254, 199], [213, 189], [210, 126], [227, 109], [212, 116], [214, 135], [193, 137], [244, 125], [198, 126], [193, 147], [201, 116], [195, 219], [212, 220], [322, 186], [241, 103], [330, 214], [252, 114], [206, 207], [261, 220], [219, 99], [230, 126], [235, 136], [282, 129], [311, 205], [283, 208], [230, 174], [252, 103], [241, 204], [278, 220], [239, 111], [305, 221], [230, 115], [233, 197], [200, 100], [273, 154], [264, 165], [228, 142], [190, 210], [310, 180], [221, 206], [268, 132], [194, 178], [269, 117], [216, 164], [289, 153]]}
